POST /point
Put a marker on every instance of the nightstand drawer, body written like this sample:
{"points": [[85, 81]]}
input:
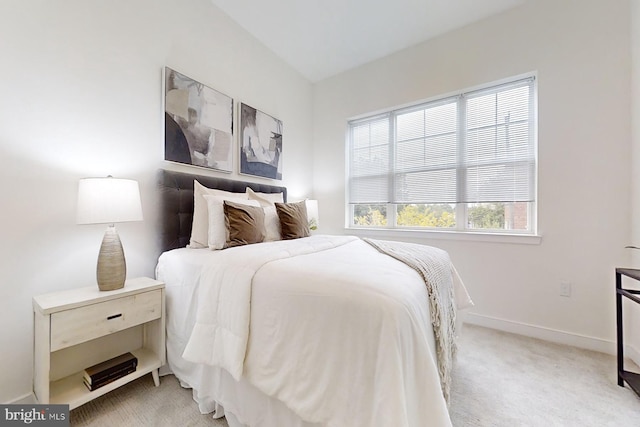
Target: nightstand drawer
{"points": [[82, 324]]}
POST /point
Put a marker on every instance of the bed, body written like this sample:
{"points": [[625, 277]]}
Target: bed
{"points": [[309, 331]]}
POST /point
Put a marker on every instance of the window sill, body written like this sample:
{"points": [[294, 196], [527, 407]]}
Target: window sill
{"points": [[520, 239]]}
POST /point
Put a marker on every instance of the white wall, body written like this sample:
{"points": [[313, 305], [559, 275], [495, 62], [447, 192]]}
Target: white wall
{"points": [[81, 96], [580, 51]]}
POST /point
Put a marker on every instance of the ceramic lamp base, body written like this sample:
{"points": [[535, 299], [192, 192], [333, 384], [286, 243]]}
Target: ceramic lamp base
{"points": [[112, 268]]}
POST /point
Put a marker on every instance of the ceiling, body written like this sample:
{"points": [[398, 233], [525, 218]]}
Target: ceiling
{"points": [[322, 38]]}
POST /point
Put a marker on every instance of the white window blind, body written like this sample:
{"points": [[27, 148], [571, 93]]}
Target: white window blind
{"points": [[370, 156], [476, 147], [499, 154]]}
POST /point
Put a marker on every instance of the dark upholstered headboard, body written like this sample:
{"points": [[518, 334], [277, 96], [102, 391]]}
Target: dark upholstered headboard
{"points": [[176, 202]]}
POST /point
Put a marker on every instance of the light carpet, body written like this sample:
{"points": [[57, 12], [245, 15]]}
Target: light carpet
{"points": [[502, 379], [499, 379]]}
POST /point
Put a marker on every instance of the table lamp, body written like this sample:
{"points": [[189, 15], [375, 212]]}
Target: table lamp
{"points": [[108, 201], [312, 214]]}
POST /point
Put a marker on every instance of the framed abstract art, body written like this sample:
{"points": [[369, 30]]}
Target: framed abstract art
{"points": [[260, 143], [198, 123]]}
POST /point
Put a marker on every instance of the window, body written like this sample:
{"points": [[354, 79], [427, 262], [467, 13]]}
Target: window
{"points": [[461, 163]]}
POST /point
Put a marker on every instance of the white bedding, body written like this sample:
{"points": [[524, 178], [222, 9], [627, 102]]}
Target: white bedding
{"points": [[337, 334]]}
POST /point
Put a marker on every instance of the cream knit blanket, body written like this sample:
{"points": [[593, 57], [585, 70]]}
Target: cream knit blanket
{"points": [[435, 267]]}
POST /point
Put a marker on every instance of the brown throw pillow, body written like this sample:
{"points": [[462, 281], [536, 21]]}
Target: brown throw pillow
{"points": [[245, 224], [293, 220]]}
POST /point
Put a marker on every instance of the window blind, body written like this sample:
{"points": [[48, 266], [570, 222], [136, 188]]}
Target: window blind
{"points": [[498, 144], [369, 171], [476, 147]]}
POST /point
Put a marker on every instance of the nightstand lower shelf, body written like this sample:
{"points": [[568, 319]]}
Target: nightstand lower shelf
{"points": [[632, 379], [71, 389]]}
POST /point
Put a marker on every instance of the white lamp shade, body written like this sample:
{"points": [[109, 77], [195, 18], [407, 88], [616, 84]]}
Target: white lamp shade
{"points": [[108, 200], [312, 213]]}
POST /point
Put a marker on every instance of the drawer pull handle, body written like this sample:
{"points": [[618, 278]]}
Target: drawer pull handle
{"points": [[114, 316]]}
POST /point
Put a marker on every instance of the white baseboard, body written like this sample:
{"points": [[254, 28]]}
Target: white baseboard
{"points": [[552, 335], [632, 353], [27, 399]]}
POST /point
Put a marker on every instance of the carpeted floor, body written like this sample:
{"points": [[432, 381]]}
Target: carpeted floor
{"points": [[499, 379], [502, 379]]}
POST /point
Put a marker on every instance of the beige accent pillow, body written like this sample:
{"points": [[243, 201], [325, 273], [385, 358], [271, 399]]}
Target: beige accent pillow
{"points": [[200, 225], [293, 220], [271, 220], [244, 223]]}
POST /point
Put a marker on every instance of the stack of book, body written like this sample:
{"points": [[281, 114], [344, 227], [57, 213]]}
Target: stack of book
{"points": [[103, 373]]}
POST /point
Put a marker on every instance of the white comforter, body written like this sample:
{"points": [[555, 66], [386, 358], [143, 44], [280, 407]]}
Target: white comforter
{"points": [[344, 335]]}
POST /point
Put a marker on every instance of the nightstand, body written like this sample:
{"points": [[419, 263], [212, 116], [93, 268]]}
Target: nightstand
{"points": [[81, 327], [631, 378]]}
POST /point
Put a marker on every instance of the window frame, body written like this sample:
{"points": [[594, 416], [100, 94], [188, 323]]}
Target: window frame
{"points": [[461, 208]]}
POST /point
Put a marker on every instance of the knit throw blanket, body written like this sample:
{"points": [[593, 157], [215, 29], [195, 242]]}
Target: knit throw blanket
{"points": [[434, 266]]}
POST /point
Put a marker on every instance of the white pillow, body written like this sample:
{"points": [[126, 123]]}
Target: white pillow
{"points": [[265, 199], [271, 224], [200, 225], [271, 220], [217, 235]]}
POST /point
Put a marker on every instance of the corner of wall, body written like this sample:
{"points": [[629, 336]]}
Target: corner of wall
{"points": [[27, 399], [632, 353]]}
